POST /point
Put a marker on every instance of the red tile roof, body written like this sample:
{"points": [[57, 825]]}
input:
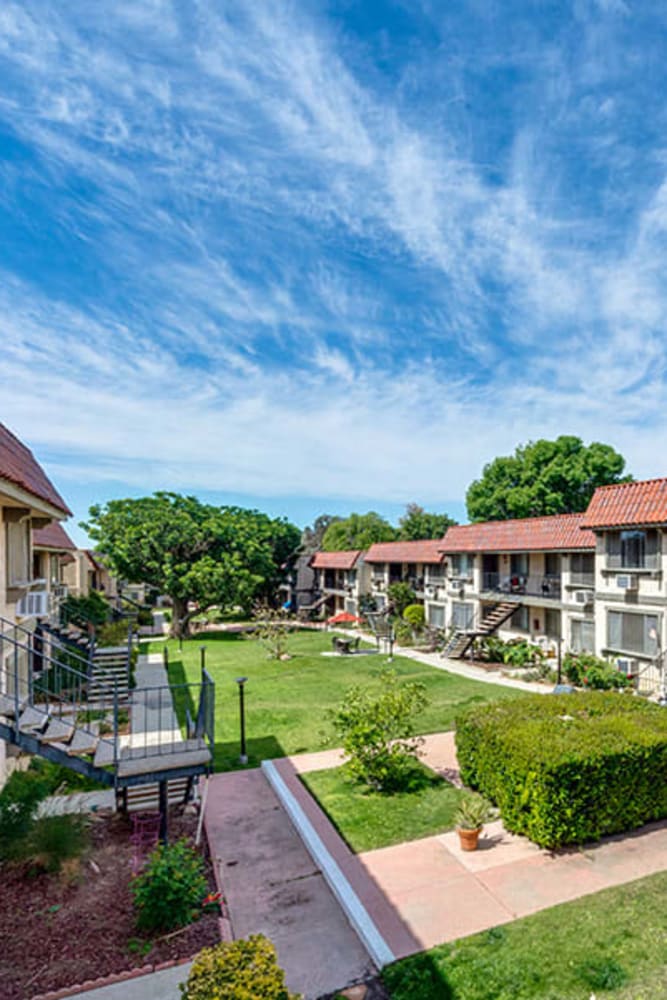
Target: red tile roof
{"points": [[528, 534], [19, 466], [427, 551], [628, 504], [335, 560], [53, 536]]}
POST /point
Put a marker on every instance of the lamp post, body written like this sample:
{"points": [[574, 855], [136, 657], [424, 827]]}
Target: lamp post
{"points": [[202, 657], [243, 758], [560, 660]]}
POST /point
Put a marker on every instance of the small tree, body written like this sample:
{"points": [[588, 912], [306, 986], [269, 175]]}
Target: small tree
{"points": [[272, 630], [377, 730], [414, 616], [400, 596]]}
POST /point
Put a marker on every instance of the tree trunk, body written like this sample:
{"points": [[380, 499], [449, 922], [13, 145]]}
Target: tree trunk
{"points": [[179, 618]]}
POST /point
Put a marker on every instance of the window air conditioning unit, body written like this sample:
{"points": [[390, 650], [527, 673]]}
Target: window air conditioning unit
{"points": [[584, 597], [627, 666], [627, 581], [33, 605]]}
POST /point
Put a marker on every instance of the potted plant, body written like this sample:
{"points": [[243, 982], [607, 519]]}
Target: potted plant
{"points": [[473, 812]]}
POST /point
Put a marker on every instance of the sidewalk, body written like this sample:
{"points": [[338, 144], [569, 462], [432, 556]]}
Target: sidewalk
{"points": [[272, 886], [428, 891]]}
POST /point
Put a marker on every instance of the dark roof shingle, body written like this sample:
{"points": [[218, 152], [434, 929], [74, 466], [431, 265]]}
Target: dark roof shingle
{"points": [[19, 466], [53, 536]]}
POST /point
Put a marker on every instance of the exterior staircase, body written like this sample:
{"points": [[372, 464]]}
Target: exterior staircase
{"points": [[462, 639], [49, 707]]}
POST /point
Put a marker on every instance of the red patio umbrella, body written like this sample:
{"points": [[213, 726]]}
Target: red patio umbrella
{"points": [[343, 618]]}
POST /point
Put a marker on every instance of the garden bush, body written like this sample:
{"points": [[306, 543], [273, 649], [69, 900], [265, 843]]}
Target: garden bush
{"points": [[112, 634], [567, 768], [19, 798], [414, 616], [170, 889], [400, 595], [54, 840], [377, 730], [237, 970], [586, 670]]}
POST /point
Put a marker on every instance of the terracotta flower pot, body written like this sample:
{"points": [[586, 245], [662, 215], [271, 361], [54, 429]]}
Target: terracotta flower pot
{"points": [[468, 838]]}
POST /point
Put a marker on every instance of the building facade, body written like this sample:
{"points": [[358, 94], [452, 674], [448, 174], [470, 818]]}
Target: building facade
{"points": [[419, 564], [342, 580]]}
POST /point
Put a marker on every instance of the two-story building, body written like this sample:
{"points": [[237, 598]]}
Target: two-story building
{"points": [[342, 578], [53, 551], [28, 502], [419, 564], [629, 521], [541, 567]]}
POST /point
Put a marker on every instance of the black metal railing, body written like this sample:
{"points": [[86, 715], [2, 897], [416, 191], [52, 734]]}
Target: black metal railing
{"points": [[538, 585]]}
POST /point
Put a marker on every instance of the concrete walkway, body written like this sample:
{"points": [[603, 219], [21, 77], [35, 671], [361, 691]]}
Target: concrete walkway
{"points": [[426, 892], [152, 717], [272, 886], [462, 668], [162, 985]]}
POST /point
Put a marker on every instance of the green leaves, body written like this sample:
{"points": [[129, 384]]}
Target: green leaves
{"points": [[170, 889], [192, 551], [377, 730], [543, 477]]}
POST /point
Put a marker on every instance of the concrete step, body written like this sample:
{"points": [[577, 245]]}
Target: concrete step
{"points": [[104, 752], [57, 731], [82, 742], [33, 719], [8, 705]]}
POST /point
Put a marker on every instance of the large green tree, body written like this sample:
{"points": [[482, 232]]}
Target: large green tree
{"points": [[194, 552], [358, 531], [543, 477], [417, 524]]}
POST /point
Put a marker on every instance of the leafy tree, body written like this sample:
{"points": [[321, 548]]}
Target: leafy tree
{"points": [[376, 728], [417, 524], [194, 552], [400, 595], [543, 477], [358, 531], [311, 537]]}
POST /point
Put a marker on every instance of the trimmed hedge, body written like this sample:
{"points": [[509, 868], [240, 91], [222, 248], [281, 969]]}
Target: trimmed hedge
{"points": [[566, 769]]}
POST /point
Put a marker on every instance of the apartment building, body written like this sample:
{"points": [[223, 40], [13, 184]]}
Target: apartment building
{"points": [[629, 523], [420, 564], [541, 569], [28, 502], [53, 551], [341, 578]]}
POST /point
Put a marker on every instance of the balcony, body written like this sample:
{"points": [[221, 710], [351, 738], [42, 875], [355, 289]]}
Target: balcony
{"points": [[582, 579], [543, 586]]}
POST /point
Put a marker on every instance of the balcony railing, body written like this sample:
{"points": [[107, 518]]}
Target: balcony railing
{"points": [[582, 579], [548, 586]]}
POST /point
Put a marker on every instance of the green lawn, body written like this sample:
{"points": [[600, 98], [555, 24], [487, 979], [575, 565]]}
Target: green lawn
{"points": [[611, 944], [367, 819], [286, 702]]}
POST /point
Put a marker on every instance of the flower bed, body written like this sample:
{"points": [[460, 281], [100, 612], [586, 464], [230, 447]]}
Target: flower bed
{"points": [[59, 930]]}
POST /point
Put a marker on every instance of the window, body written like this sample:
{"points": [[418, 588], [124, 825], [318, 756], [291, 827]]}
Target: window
{"points": [[582, 568], [519, 564], [435, 574], [552, 623], [18, 552], [436, 615], [632, 633], [520, 619], [461, 565], [351, 607], [463, 614], [633, 549], [582, 635]]}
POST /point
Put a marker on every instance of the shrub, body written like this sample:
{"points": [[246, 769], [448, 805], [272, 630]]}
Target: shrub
{"points": [[377, 730], [403, 633], [567, 768], [400, 595], [112, 634], [237, 970], [586, 670], [55, 839], [92, 609], [19, 799], [414, 615], [169, 891]]}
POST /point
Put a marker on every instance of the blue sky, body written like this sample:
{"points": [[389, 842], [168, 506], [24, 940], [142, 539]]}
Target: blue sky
{"points": [[333, 256]]}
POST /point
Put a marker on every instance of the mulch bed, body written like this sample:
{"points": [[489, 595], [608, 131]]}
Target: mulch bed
{"points": [[58, 930]]}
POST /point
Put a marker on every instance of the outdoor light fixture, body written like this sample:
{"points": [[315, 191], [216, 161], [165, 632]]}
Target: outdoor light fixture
{"points": [[243, 758]]}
